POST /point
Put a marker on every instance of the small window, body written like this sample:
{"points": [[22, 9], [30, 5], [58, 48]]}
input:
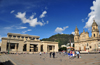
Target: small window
{"points": [[33, 38], [90, 47], [22, 37], [18, 36], [26, 37], [29, 37], [37, 38], [94, 35], [10, 35], [14, 36]]}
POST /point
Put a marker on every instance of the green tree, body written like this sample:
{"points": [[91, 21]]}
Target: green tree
{"points": [[62, 48]]}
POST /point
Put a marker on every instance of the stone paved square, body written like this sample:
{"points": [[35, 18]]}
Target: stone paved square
{"points": [[44, 59]]}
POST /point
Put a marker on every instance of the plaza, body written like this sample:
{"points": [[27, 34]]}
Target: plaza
{"points": [[44, 59]]}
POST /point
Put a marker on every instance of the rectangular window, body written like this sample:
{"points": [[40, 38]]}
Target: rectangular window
{"points": [[14, 36], [29, 37], [10, 35], [37, 38], [22, 37], [26, 37], [18, 36], [33, 38]]}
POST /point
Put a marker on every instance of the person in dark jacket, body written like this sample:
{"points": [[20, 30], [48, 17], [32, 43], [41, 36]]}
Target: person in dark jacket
{"points": [[50, 54], [53, 54]]}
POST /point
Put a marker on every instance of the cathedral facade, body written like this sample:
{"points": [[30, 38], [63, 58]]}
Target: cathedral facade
{"points": [[85, 43]]}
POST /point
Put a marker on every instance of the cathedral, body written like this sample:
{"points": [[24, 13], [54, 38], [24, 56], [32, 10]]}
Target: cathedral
{"points": [[85, 43]]}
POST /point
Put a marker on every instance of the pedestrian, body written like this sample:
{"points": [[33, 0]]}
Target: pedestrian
{"points": [[69, 55], [53, 54], [88, 51], [40, 53], [50, 54], [77, 54], [73, 53]]}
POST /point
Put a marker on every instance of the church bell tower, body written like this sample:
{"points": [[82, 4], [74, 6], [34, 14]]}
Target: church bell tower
{"points": [[76, 36], [95, 31]]}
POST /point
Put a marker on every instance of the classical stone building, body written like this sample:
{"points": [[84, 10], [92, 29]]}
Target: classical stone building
{"points": [[84, 43], [26, 43]]}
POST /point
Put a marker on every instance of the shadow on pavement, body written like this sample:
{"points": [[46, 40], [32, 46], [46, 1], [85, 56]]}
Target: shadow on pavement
{"points": [[7, 63]]}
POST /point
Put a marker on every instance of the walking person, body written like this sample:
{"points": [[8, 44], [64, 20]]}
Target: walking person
{"points": [[50, 54], [40, 53], [53, 54], [73, 54], [69, 54], [77, 54]]}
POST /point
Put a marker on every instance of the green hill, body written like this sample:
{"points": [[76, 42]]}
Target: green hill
{"points": [[60, 38]]}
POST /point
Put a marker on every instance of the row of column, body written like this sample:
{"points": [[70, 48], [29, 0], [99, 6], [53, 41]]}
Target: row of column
{"points": [[45, 48]]}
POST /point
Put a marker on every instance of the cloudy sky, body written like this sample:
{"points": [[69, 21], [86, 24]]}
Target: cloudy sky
{"points": [[45, 18]]}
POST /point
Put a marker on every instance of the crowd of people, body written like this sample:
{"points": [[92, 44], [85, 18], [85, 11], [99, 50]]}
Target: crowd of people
{"points": [[71, 54], [51, 53]]}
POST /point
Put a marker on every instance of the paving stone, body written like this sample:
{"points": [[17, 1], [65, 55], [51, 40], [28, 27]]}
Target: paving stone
{"points": [[44, 59]]}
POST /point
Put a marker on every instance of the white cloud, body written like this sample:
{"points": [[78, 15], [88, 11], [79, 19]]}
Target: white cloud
{"points": [[59, 29], [94, 14], [15, 27], [32, 21], [47, 22], [82, 20], [29, 30], [26, 31], [43, 14], [21, 27], [73, 33], [7, 27], [12, 11]]}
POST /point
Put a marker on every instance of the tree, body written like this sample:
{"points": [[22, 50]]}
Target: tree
{"points": [[62, 48]]}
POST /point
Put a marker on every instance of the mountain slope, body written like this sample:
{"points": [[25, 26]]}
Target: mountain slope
{"points": [[60, 38]]}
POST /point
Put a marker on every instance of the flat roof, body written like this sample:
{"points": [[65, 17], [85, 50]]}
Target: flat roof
{"points": [[25, 35]]}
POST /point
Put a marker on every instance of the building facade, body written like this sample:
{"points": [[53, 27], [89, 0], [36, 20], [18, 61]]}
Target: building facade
{"points": [[26, 43], [85, 43]]}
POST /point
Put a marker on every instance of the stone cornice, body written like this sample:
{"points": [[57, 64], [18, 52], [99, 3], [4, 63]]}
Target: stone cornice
{"points": [[89, 39], [25, 35], [42, 41], [11, 39], [49, 42]]}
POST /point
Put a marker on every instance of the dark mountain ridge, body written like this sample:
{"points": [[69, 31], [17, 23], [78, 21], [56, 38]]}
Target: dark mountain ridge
{"points": [[60, 38]]}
